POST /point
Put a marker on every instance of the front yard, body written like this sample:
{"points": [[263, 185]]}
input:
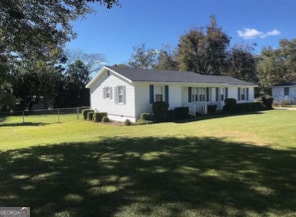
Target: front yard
{"points": [[228, 166]]}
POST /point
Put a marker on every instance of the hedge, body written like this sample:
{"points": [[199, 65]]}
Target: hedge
{"points": [[84, 113], [98, 116]]}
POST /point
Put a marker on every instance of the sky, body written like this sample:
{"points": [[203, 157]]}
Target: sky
{"points": [[156, 23]]}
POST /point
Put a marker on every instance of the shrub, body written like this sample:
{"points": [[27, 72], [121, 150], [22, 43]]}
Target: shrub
{"points": [[267, 101], [212, 109], [84, 113], [105, 119], [98, 116], [146, 116], [127, 122], [90, 116], [160, 110], [181, 112], [230, 104]]}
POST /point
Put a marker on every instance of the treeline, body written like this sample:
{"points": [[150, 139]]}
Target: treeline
{"points": [[34, 67], [206, 50]]}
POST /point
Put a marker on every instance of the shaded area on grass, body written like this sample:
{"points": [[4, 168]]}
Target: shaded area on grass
{"points": [[150, 177], [22, 124]]}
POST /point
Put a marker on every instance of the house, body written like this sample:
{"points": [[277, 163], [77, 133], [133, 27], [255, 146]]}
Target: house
{"points": [[125, 93], [284, 92]]}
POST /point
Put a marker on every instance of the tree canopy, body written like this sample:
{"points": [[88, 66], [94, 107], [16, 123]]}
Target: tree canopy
{"points": [[203, 51]]}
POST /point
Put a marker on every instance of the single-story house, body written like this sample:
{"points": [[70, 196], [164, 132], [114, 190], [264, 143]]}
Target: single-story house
{"points": [[125, 93], [284, 92]]}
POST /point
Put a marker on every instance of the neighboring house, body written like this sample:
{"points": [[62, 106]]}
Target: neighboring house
{"points": [[125, 93], [284, 92]]}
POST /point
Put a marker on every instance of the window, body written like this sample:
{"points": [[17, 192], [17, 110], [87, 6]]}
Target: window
{"points": [[286, 91], [120, 94], [243, 93], [222, 94], [202, 94], [158, 93], [107, 92], [199, 94]]}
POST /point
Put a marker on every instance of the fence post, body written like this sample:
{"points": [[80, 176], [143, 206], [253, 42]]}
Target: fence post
{"points": [[59, 119]]}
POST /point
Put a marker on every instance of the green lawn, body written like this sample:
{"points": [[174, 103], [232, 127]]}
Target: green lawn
{"points": [[225, 166]]}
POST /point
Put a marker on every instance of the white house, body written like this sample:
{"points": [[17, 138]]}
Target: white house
{"points": [[125, 93], [284, 92]]}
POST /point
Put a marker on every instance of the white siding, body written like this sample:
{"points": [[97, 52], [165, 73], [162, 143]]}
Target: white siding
{"points": [[279, 96], [119, 112]]}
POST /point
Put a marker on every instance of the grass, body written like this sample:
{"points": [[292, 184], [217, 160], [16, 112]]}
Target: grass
{"points": [[224, 166]]}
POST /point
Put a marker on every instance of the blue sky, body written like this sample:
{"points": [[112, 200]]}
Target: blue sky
{"points": [[156, 23]]}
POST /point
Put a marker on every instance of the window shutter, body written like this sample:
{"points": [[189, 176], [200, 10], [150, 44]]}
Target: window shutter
{"points": [[116, 94], [217, 94], [208, 94], [151, 92], [189, 94], [226, 92], [238, 93], [247, 94], [166, 93], [124, 94], [111, 92]]}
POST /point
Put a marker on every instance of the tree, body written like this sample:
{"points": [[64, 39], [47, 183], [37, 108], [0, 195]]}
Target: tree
{"points": [[26, 26], [167, 60], [91, 61], [241, 64], [76, 78], [203, 51], [277, 65], [143, 58]]}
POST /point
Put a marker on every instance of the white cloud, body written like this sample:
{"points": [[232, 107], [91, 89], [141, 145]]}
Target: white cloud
{"points": [[254, 33]]}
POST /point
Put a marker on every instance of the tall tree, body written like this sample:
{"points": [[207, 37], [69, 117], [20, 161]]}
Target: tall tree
{"points": [[167, 60], [26, 26], [241, 63], [143, 58], [203, 51], [92, 61], [277, 65], [76, 77]]}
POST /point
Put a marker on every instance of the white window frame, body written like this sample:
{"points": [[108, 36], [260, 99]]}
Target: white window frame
{"points": [[222, 94], [107, 92], [199, 94], [120, 95], [243, 94], [158, 93]]}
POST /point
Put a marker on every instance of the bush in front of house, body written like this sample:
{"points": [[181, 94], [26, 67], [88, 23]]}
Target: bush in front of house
{"points": [[160, 110], [267, 101], [84, 113], [105, 119], [248, 107], [230, 104], [127, 122], [90, 116], [212, 109], [98, 116], [181, 113], [146, 116]]}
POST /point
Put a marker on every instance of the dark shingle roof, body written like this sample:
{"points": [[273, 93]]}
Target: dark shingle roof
{"points": [[285, 84], [147, 75]]}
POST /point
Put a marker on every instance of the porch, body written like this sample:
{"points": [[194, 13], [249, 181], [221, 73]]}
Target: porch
{"points": [[201, 107], [197, 99]]}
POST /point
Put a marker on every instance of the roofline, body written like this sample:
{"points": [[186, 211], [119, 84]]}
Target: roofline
{"points": [[194, 84], [98, 75]]}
